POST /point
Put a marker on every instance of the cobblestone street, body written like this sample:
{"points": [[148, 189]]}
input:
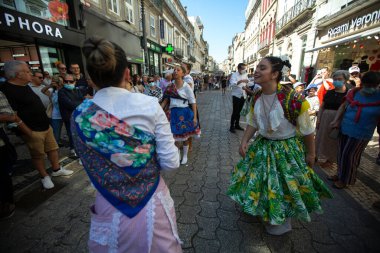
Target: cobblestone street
{"points": [[208, 220]]}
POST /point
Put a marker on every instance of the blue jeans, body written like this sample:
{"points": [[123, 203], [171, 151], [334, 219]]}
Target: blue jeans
{"points": [[56, 124], [68, 130]]}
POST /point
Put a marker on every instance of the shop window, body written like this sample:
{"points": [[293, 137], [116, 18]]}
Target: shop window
{"points": [[152, 26], [113, 5], [170, 35], [53, 11], [129, 11], [50, 56]]}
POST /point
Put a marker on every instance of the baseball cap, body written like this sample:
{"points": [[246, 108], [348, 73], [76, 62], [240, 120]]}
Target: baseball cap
{"points": [[310, 86], [354, 69], [297, 84]]}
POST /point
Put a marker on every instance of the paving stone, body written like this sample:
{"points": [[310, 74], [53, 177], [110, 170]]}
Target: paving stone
{"points": [[228, 219], [210, 194], [299, 237], [278, 243], [186, 233], [230, 241], [188, 213], [209, 208], [178, 189], [324, 248], [192, 198], [207, 227], [178, 200], [252, 234], [320, 232], [351, 243], [195, 185], [211, 182], [202, 245]]}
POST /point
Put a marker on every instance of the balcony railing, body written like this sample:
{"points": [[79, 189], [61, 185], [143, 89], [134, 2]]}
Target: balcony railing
{"points": [[263, 44], [178, 52], [191, 58], [176, 14], [293, 12]]}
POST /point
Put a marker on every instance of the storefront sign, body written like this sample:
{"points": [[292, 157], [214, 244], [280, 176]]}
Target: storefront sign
{"points": [[355, 23], [17, 23]]}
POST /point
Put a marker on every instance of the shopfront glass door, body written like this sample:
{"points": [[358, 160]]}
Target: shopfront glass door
{"points": [[50, 56]]}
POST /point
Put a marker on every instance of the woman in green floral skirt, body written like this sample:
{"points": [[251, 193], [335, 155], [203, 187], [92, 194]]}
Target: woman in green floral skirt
{"points": [[275, 179]]}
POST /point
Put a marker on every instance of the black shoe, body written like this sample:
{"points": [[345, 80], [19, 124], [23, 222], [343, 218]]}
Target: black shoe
{"points": [[239, 128], [7, 210], [232, 130]]}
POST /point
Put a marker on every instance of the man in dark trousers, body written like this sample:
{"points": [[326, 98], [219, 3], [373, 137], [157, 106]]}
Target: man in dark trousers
{"points": [[238, 81]]}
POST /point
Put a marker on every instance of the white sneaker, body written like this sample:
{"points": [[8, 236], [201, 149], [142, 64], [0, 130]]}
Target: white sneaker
{"points": [[47, 183], [279, 229], [80, 162], [62, 172], [184, 160], [72, 152]]}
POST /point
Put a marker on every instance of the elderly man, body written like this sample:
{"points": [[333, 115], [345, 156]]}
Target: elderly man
{"points": [[32, 113]]}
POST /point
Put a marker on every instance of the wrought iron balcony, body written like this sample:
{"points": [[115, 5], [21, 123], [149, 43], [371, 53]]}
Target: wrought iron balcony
{"points": [[178, 52], [192, 58], [177, 15], [295, 11], [263, 44]]}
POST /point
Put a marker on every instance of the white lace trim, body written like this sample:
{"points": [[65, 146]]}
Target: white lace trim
{"points": [[106, 233], [150, 221], [168, 204], [276, 115]]}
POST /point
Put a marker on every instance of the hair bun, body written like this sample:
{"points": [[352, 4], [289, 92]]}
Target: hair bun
{"points": [[100, 53]]}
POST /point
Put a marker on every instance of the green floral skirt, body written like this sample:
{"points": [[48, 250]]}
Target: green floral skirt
{"points": [[274, 182]]}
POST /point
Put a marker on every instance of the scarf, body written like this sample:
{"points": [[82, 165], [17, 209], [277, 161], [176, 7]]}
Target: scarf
{"points": [[291, 102], [172, 92], [350, 98], [119, 159]]}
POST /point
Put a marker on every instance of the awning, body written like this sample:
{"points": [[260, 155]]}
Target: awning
{"points": [[346, 39]]}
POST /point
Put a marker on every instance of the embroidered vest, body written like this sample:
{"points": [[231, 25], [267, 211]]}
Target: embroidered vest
{"points": [[290, 101], [119, 159]]}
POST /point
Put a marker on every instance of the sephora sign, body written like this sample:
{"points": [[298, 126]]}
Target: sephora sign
{"points": [[13, 22]]}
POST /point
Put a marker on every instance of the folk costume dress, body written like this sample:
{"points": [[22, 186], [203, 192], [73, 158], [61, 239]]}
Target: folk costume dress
{"points": [[273, 180], [181, 116], [124, 141]]}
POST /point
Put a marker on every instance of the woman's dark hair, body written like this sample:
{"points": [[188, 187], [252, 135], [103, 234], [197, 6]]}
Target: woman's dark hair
{"points": [[277, 65], [106, 62], [371, 79]]}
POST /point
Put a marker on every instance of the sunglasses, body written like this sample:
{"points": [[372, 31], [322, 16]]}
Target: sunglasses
{"points": [[69, 81], [39, 77]]}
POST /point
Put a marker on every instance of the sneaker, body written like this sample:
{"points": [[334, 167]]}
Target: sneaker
{"points": [[62, 172], [184, 161], [232, 130], [72, 152], [47, 183], [7, 210], [239, 128], [279, 229]]}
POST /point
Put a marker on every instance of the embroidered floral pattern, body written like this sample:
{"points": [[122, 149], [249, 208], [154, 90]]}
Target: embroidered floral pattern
{"points": [[119, 159]]}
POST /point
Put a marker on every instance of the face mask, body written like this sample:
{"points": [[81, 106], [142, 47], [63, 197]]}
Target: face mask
{"points": [[69, 86], [368, 91], [338, 84], [243, 72]]}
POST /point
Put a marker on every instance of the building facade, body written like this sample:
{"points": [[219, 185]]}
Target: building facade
{"points": [[252, 34]]}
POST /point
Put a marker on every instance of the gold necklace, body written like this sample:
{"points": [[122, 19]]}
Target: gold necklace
{"points": [[270, 130]]}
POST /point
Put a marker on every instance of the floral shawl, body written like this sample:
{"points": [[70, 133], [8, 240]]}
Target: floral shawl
{"points": [[119, 159], [172, 92], [290, 101]]}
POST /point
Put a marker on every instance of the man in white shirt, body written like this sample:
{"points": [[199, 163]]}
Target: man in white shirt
{"points": [[38, 88], [238, 82]]}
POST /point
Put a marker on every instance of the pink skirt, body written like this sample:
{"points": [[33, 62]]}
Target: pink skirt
{"points": [[153, 229]]}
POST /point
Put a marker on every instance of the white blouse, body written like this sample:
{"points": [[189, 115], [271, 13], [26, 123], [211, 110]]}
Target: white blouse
{"points": [[145, 113], [268, 114], [185, 92]]}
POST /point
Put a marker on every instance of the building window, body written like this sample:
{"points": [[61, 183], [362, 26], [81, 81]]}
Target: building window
{"points": [[113, 5], [152, 26], [170, 35], [129, 11]]}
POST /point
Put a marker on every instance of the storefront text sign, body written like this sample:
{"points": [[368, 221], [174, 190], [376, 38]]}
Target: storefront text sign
{"points": [[355, 23], [17, 23]]}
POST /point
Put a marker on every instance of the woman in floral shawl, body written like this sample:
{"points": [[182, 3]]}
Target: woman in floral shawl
{"points": [[183, 120], [124, 141], [275, 179]]}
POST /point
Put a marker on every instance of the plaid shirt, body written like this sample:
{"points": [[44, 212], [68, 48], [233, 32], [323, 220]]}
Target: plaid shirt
{"points": [[4, 108], [154, 93]]}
